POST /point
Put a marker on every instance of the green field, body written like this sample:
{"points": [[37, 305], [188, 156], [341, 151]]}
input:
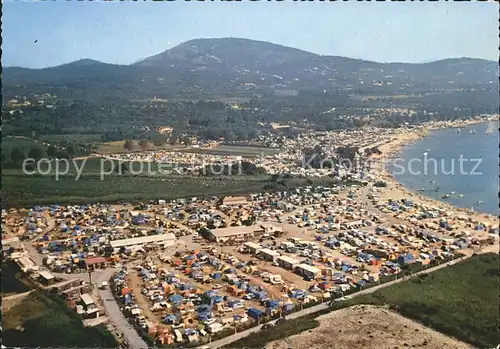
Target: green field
{"points": [[42, 320], [21, 190], [80, 138], [461, 300], [12, 280], [116, 147]]}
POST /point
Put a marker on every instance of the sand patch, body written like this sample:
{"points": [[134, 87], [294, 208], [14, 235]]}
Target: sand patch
{"points": [[366, 327]]}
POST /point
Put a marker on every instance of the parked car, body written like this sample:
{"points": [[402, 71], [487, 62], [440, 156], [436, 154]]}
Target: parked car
{"points": [[209, 321], [217, 286]]}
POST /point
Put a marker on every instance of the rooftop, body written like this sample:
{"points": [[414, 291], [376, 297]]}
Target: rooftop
{"points": [[86, 299], [143, 240], [233, 231], [288, 260], [46, 275], [309, 268], [270, 252], [252, 245]]}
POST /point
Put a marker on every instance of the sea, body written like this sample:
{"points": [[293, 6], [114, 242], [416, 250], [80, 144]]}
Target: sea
{"points": [[459, 168]]}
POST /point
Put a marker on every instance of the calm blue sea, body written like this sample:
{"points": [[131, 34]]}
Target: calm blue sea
{"points": [[438, 167]]}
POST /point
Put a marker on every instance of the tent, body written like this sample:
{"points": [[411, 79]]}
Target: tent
{"points": [[255, 313], [176, 299]]}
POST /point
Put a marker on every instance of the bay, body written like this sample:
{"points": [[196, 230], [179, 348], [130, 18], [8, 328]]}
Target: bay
{"points": [[463, 166]]}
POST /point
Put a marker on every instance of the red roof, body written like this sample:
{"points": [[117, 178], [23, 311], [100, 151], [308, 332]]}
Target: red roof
{"points": [[95, 260]]}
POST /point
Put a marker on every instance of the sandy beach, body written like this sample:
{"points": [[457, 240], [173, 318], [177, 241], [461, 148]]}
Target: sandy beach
{"points": [[395, 190]]}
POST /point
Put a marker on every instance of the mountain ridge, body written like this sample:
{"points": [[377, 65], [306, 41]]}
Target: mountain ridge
{"points": [[248, 68], [139, 60]]}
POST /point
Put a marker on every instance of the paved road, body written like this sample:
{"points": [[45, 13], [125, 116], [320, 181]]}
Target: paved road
{"points": [[115, 315], [230, 339], [113, 312]]}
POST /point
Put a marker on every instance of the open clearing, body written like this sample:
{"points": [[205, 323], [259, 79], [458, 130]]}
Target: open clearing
{"points": [[366, 327]]}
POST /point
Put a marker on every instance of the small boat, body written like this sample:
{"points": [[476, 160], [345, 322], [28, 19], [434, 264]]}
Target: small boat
{"points": [[452, 192], [421, 189], [489, 129], [445, 196], [457, 130], [460, 195], [472, 131]]}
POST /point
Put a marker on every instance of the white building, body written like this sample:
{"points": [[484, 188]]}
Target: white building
{"points": [[165, 240]]}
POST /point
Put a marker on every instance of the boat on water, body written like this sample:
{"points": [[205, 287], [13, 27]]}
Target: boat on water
{"points": [[489, 129], [421, 189], [472, 131], [461, 195], [445, 196], [457, 130]]}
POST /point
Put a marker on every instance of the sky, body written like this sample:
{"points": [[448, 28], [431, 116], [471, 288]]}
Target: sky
{"points": [[125, 32]]}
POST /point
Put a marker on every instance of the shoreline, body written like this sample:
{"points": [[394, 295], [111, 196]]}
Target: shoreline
{"points": [[394, 187]]}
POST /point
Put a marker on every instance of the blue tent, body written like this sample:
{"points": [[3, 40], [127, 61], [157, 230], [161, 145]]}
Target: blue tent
{"points": [[210, 293], [406, 259], [183, 287], [203, 308], [272, 304], [176, 299], [255, 313], [217, 299], [203, 316], [169, 319]]}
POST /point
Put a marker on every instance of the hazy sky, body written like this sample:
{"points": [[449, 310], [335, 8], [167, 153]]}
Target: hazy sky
{"points": [[124, 32]]}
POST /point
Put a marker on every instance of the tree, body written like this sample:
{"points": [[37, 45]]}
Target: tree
{"points": [[16, 155], [128, 145], [143, 143], [174, 137], [70, 150], [36, 153], [187, 141], [51, 151], [159, 140]]}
